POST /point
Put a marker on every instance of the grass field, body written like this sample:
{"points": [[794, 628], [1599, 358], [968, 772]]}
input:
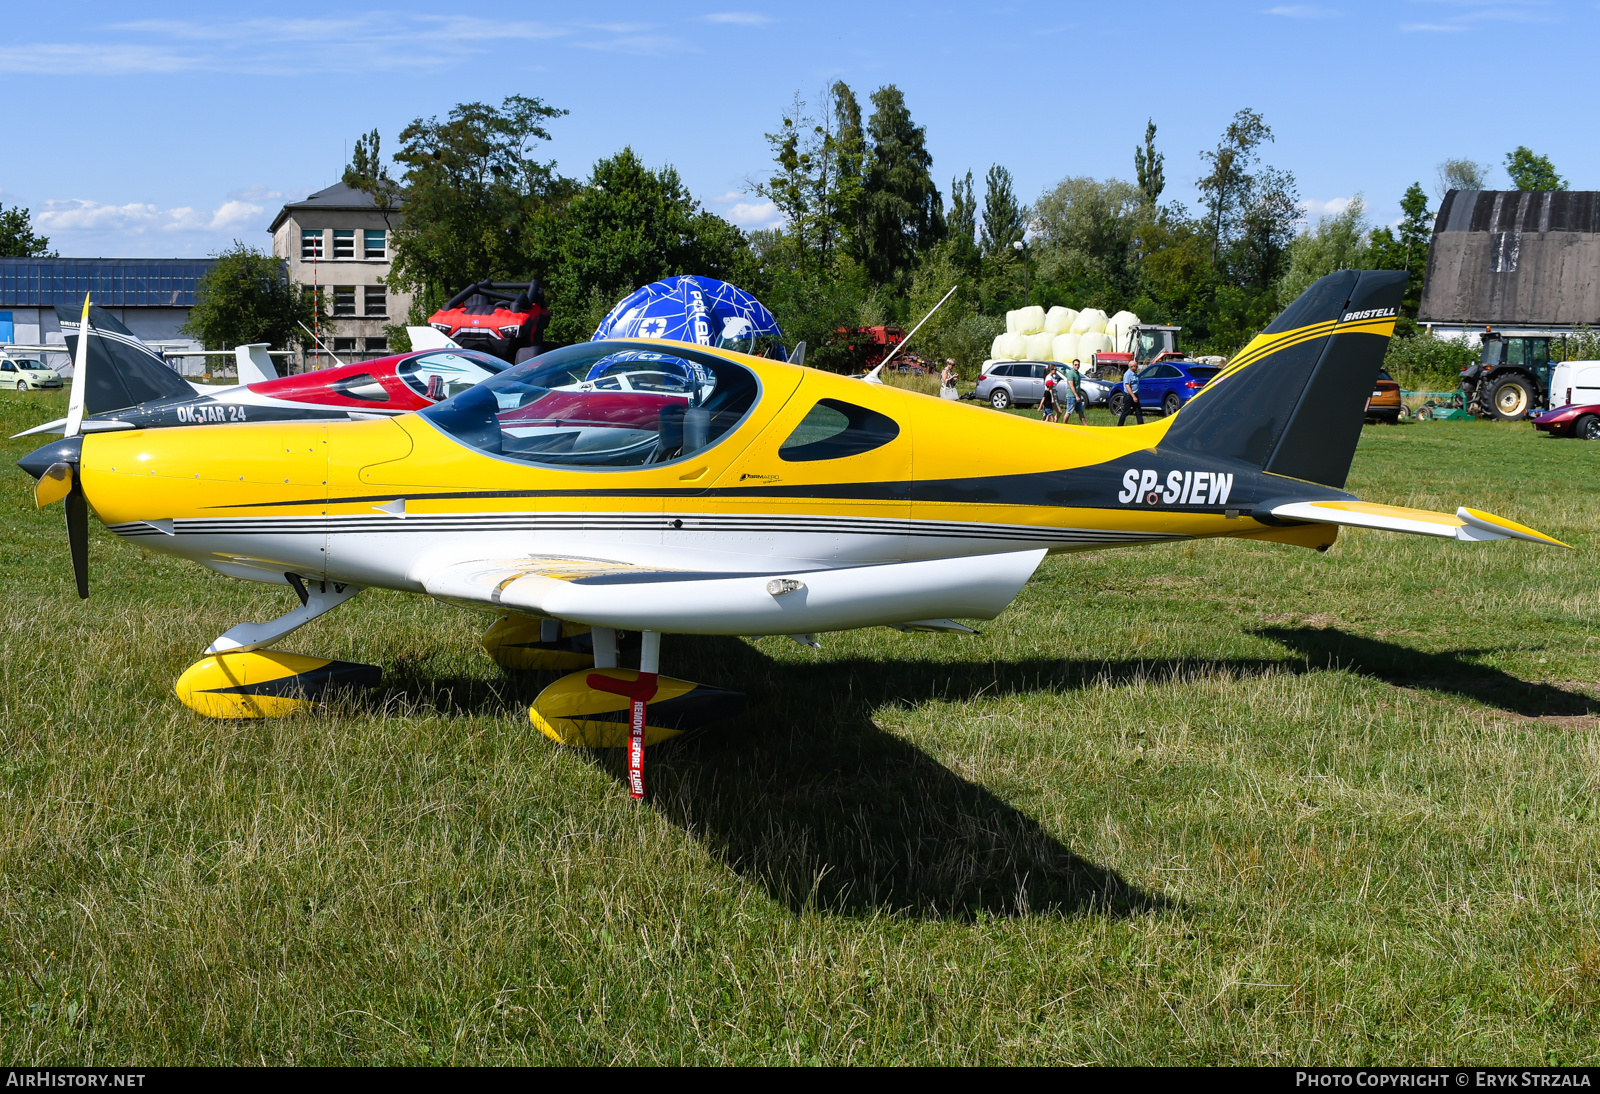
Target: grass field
{"points": [[1209, 802]]}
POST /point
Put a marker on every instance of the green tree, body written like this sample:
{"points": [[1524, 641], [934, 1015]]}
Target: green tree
{"points": [[1408, 250], [1337, 242], [1269, 211], [247, 297], [628, 226], [1085, 238], [1226, 185], [847, 201], [1002, 216], [367, 172], [474, 200], [904, 211], [1147, 166], [1530, 171], [1461, 175], [17, 238], [963, 225]]}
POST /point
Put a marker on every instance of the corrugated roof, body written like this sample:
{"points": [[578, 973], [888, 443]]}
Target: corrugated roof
{"points": [[111, 282], [337, 196], [1514, 258]]}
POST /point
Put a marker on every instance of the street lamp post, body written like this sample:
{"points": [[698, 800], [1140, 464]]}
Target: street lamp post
{"points": [[1027, 294]]}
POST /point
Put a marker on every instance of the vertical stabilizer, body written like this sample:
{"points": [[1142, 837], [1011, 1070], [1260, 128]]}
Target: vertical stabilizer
{"points": [[1293, 400]]}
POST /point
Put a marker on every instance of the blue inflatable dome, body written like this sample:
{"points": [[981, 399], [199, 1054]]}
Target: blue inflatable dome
{"points": [[701, 310]]}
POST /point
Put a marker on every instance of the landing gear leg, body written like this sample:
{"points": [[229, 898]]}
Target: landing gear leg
{"points": [[241, 680]]}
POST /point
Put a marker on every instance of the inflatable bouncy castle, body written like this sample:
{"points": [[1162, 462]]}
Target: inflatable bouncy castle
{"points": [[701, 310]]}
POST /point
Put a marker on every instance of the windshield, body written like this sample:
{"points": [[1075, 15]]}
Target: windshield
{"points": [[739, 335], [32, 366], [602, 405], [438, 376], [1203, 372]]}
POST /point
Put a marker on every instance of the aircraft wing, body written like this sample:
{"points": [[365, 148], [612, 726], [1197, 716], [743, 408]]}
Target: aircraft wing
{"points": [[1468, 525], [683, 601]]}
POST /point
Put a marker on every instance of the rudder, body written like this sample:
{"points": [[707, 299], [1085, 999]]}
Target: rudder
{"points": [[1293, 400]]}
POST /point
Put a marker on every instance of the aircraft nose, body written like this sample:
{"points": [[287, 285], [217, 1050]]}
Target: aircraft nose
{"points": [[65, 450]]}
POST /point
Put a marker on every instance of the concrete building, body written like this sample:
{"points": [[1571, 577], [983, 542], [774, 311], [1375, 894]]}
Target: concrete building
{"points": [[150, 296], [339, 241], [1525, 260]]}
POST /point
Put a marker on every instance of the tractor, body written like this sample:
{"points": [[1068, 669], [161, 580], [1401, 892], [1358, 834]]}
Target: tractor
{"points": [[1511, 378]]}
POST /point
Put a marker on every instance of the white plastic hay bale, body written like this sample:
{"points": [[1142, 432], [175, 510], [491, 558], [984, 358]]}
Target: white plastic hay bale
{"points": [[1012, 347], [1013, 319], [1089, 321], [1039, 346], [1064, 347], [1120, 328], [1030, 320], [994, 347], [1092, 343], [1058, 320]]}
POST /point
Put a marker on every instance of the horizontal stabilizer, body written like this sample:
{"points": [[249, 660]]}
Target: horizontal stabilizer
{"points": [[1468, 525], [694, 602]]}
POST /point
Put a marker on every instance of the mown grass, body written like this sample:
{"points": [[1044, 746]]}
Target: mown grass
{"points": [[1208, 802]]}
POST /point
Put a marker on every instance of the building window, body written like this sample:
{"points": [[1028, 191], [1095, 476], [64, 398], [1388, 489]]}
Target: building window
{"points": [[344, 345], [344, 243], [376, 244], [377, 345], [310, 244], [377, 300], [344, 301]]}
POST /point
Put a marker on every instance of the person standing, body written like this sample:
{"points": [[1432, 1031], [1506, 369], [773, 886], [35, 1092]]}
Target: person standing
{"points": [[1069, 393], [1130, 386], [1052, 389], [948, 378]]}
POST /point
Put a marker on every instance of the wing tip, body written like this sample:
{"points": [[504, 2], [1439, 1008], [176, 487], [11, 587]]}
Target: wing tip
{"points": [[1509, 529]]}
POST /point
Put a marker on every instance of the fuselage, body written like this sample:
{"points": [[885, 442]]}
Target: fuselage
{"points": [[376, 503]]}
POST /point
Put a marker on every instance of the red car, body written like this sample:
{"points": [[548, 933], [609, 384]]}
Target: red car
{"points": [[1581, 421]]}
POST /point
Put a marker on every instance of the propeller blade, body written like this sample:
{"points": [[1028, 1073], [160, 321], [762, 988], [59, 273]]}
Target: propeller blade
{"points": [[78, 536], [53, 485]]}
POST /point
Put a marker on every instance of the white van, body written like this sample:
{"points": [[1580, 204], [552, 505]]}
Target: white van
{"points": [[1575, 383]]}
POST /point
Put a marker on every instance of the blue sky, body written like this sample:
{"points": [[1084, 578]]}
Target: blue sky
{"points": [[171, 129]]}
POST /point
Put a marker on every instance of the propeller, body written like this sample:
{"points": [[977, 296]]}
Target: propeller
{"points": [[56, 466]]}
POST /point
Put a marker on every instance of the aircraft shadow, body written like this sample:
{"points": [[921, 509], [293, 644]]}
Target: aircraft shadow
{"points": [[1451, 671], [806, 797]]}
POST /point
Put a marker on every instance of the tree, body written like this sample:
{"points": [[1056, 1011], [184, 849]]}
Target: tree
{"points": [[1085, 232], [1229, 180], [247, 297], [963, 225], [1002, 216], [1529, 171], [1269, 212], [473, 197], [904, 211], [1337, 242], [628, 226], [367, 172], [1408, 251], [17, 239], [1461, 175], [1147, 166], [846, 203]]}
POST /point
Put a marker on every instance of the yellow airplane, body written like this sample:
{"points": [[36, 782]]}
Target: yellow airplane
{"points": [[665, 488]]}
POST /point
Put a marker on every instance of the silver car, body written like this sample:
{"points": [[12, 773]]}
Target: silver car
{"points": [[1012, 383]]}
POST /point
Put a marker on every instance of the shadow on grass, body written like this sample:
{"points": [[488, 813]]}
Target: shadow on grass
{"points": [[1451, 671], [806, 797]]}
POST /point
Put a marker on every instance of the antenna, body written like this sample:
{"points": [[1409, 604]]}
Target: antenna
{"points": [[872, 377]]}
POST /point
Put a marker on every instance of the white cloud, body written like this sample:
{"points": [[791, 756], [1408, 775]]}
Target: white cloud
{"points": [[747, 215], [1330, 208], [1302, 11], [138, 218], [740, 18]]}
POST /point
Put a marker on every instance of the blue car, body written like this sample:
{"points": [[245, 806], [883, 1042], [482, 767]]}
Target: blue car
{"points": [[1164, 385]]}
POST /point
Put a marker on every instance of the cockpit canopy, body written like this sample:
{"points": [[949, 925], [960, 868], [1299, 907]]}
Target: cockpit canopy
{"points": [[602, 405]]}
